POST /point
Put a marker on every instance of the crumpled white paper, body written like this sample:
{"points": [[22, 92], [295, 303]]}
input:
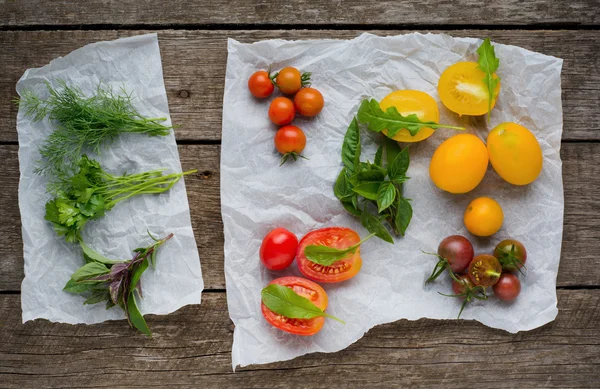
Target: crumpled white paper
{"points": [[257, 195], [135, 64]]}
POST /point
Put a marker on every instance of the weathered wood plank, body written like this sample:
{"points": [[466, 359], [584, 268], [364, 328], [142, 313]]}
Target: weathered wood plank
{"points": [[194, 70], [347, 12], [191, 348], [580, 264]]}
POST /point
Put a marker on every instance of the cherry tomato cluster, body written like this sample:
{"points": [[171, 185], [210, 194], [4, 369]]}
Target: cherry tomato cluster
{"points": [[289, 140], [471, 274], [278, 250]]}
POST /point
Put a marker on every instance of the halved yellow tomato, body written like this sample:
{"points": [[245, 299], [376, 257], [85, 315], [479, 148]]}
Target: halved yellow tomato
{"points": [[409, 102], [462, 90]]}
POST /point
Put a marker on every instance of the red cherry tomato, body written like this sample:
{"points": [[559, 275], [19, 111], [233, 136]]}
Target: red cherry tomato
{"points": [[485, 270], [336, 237], [260, 84], [290, 139], [511, 254], [463, 286], [508, 287], [289, 80], [458, 251], [309, 102], [304, 288], [281, 111], [278, 249]]}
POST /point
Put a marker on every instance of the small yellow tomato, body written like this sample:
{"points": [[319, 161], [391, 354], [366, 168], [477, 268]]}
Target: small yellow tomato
{"points": [[515, 153], [459, 164], [463, 91], [409, 102], [483, 217]]}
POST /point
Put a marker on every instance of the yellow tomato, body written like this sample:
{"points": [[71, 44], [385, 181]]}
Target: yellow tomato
{"points": [[462, 90], [459, 164], [409, 102], [483, 217], [515, 154]]}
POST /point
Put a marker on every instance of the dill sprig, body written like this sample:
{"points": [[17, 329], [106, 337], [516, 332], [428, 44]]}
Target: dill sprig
{"points": [[83, 123]]}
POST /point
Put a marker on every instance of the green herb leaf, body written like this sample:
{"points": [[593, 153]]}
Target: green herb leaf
{"points": [[374, 226], [327, 256], [283, 301], [488, 63], [403, 214], [349, 205], [93, 255], [342, 188], [400, 164], [73, 286], [98, 296], [137, 274], [367, 190], [392, 149], [367, 176], [391, 120], [386, 194], [378, 156], [88, 270], [351, 147], [135, 317]]}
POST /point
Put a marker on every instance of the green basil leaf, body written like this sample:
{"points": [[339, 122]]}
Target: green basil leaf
{"points": [[137, 274], [349, 205], [400, 164], [367, 176], [135, 317], [386, 194], [98, 296], [403, 214], [367, 190], [73, 286], [93, 255], [283, 301], [88, 270], [391, 120], [342, 188], [374, 226], [351, 147], [392, 149], [378, 156]]}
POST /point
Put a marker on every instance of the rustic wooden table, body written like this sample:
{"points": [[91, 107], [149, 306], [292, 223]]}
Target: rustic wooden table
{"points": [[191, 348]]}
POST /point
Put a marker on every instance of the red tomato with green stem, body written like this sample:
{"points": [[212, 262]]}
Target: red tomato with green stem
{"points": [[278, 249], [290, 142], [282, 111], [335, 237], [454, 252], [305, 288], [289, 80], [261, 84], [463, 288], [511, 254], [309, 102], [508, 287]]}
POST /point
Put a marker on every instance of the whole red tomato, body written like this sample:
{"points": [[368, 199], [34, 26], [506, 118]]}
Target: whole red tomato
{"points": [[309, 102], [508, 287], [511, 254], [290, 80], [278, 249], [260, 84], [282, 111]]}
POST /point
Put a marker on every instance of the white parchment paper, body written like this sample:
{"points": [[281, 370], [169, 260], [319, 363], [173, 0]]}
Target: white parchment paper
{"points": [[257, 195], [135, 64]]}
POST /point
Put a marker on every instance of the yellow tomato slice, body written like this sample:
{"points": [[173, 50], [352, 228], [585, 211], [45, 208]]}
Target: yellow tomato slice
{"points": [[462, 90], [409, 102]]}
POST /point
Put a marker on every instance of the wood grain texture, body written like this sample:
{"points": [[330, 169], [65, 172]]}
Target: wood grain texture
{"points": [[194, 70], [191, 348], [580, 263], [347, 12]]}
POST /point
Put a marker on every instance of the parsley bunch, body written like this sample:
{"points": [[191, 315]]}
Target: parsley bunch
{"points": [[90, 192]]}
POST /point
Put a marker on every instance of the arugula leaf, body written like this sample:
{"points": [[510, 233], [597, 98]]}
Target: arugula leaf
{"points": [[391, 120], [403, 214], [386, 194], [367, 190], [488, 63], [135, 317], [351, 147], [283, 301], [327, 256], [88, 270], [378, 156], [399, 166], [374, 226]]}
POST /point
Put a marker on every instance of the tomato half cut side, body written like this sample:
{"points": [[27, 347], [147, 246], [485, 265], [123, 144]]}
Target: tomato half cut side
{"points": [[305, 288], [336, 237]]}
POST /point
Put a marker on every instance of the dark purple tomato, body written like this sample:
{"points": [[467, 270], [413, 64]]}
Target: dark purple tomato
{"points": [[458, 251], [508, 287], [511, 254]]}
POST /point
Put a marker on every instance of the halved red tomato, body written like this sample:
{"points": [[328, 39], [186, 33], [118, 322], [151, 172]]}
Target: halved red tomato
{"points": [[305, 288], [336, 237]]}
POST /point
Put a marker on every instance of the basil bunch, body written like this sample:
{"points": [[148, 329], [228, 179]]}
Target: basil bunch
{"points": [[380, 183]]}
